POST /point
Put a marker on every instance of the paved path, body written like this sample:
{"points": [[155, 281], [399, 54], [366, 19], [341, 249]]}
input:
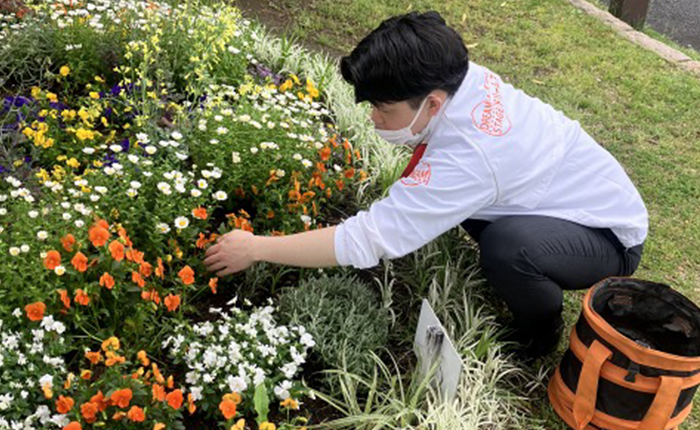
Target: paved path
{"points": [[677, 19]]}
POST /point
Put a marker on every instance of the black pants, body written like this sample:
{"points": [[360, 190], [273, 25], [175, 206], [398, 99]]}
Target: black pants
{"points": [[529, 260]]}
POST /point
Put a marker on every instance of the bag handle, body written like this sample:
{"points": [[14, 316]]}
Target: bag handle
{"points": [[587, 389], [665, 401]]}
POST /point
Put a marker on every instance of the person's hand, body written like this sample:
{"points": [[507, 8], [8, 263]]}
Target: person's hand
{"points": [[231, 253]]}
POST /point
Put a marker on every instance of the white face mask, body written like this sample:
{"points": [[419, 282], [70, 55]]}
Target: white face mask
{"points": [[405, 136]]}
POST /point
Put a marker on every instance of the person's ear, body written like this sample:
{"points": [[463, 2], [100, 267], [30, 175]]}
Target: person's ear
{"points": [[434, 104]]}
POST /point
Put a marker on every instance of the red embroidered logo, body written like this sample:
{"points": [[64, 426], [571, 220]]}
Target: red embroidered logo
{"points": [[419, 176], [490, 116]]}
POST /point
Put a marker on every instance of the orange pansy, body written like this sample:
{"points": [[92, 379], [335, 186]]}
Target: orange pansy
{"points": [[172, 302], [175, 399], [64, 404], [228, 409], [107, 281], [67, 242], [64, 298], [35, 311], [213, 283], [98, 235], [81, 297], [158, 392], [122, 397], [89, 412], [79, 261], [136, 414], [186, 275], [117, 250], [200, 213], [52, 260]]}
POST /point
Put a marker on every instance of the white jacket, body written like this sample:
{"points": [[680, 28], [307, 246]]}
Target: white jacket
{"points": [[495, 151]]}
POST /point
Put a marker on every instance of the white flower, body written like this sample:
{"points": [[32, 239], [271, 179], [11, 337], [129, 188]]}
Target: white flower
{"points": [[150, 150], [133, 158], [163, 227], [3, 211], [79, 223], [307, 340], [33, 214], [236, 157], [115, 148], [236, 384], [305, 219], [196, 393], [282, 390], [164, 187], [244, 118], [135, 184], [306, 163], [176, 135], [222, 130], [142, 138], [46, 381], [254, 150], [181, 222], [14, 251], [89, 151], [195, 192], [214, 141], [297, 156], [132, 193], [60, 270], [220, 195], [280, 173], [233, 50], [42, 235]]}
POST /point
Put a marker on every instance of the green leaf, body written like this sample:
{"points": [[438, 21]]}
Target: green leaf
{"points": [[261, 402]]}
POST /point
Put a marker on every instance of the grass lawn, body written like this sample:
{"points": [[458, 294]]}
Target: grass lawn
{"points": [[642, 109]]}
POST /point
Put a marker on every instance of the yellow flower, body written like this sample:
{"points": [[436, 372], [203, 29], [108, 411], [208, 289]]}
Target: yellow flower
{"points": [[112, 342], [234, 397], [73, 163], [36, 92], [267, 426], [98, 79], [240, 425], [289, 403], [52, 97], [43, 113], [64, 71], [68, 115], [83, 134], [104, 121], [286, 85], [94, 95]]}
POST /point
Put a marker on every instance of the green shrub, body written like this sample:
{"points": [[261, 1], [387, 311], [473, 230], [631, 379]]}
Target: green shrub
{"points": [[343, 315]]}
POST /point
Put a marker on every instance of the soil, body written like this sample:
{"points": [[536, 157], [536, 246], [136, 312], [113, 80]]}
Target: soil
{"points": [[280, 21]]}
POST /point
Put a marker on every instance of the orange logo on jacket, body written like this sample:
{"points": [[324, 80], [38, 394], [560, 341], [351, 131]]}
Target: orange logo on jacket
{"points": [[490, 116], [419, 176]]}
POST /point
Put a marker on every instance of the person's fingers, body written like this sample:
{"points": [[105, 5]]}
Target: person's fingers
{"points": [[213, 258], [229, 270], [217, 266], [212, 250]]}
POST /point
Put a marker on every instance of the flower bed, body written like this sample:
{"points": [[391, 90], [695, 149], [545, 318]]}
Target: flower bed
{"points": [[133, 135]]}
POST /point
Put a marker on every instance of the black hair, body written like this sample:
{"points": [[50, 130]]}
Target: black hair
{"points": [[406, 58]]}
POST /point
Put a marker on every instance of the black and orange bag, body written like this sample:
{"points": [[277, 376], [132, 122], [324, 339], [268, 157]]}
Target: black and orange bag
{"points": [[633, 361]]}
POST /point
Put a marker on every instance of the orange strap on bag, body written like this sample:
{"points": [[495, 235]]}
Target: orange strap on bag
{"points": [[659, 413], [587, 390]]}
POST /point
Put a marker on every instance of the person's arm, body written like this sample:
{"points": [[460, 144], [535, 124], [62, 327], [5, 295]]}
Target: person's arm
{"points": [[238, 249]]}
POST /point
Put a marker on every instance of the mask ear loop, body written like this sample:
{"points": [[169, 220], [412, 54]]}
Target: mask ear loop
{"points": [[415, 117]]}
